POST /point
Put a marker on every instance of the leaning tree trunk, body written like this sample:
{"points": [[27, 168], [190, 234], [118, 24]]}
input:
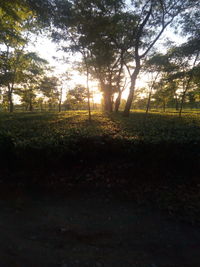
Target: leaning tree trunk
{"points": [[132, 90], [150, 94], [187, 85], [120, 90], [118, 101]]}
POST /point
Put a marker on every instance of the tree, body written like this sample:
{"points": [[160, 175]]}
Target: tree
{"points": [[153, 18], [32, 74], [13, 15], [109, 35], [160, 68], [63, 80], [163, 94], [99, 30], [186, 57], [17, 21], [17, 71], [76, 98], [49, 87]]}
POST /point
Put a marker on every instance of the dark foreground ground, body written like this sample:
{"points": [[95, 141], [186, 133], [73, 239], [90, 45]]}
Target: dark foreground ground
{"points": [[91, 229]]}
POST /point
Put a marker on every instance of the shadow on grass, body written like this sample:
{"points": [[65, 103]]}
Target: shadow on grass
{"points": [[157, 128]]}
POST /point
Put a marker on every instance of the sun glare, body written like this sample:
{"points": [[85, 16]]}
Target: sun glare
{"points": [[97, 97]]}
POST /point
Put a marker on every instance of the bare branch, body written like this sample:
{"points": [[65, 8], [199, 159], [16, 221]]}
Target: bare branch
{"points": [[156, 39], [139, 33]]}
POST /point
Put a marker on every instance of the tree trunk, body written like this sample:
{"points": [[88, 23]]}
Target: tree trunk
{"points": [[88, 94], [181, 105], [132, 90], [108, 107], [148, 103], [187, 86], [118, 101], [184, 93], [30, 106], [176, 99], [50, 106], [150, 93], [11, 108], [183, 96], [60, 100], [10, 100], [93, 104]]}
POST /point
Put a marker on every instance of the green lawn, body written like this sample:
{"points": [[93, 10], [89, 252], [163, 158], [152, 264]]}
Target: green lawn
{"points": [[54, 129], [54, 137], [154, 158]]}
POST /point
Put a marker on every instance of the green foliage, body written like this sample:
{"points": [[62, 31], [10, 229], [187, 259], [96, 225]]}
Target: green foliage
{"points": [[20, 73], [77, 97], [16, 17], [49, 87]]}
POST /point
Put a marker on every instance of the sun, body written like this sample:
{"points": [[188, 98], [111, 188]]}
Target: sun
{"points": [[97, 97]]}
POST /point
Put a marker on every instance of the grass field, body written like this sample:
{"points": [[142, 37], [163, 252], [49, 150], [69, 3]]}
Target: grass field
{"points": [[39, 129], [153, 159], [69, 135]]}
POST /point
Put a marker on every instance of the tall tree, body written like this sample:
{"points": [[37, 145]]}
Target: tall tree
{"points": [[187, 57], [160, 67], [18, 68], [32, 74], [63, 79], [153, 18], [100, 31], [16, 23]]}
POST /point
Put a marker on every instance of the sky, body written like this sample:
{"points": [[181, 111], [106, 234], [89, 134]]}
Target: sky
{"points": [[58, 60]]}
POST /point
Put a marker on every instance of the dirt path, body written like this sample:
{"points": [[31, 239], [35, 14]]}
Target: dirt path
{"points": [[91, 230]]}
